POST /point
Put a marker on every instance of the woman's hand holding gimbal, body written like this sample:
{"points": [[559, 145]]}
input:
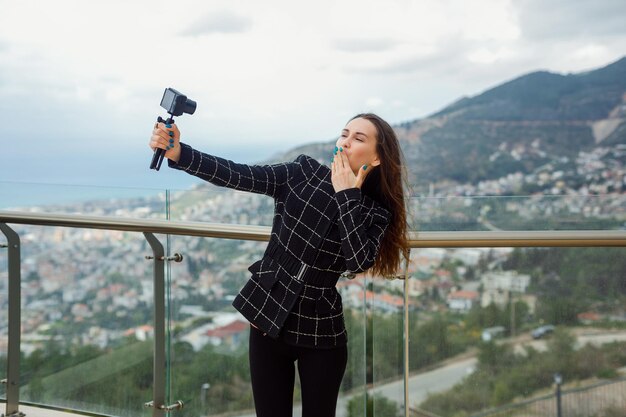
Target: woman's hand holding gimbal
{"points": [[166, 137]]}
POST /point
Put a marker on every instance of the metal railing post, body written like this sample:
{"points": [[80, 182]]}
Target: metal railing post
{"points": [[13, 350], [558, 380], [159, 364], [406, 336]]}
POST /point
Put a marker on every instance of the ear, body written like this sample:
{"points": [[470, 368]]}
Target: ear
{"points": [[375, 162]]}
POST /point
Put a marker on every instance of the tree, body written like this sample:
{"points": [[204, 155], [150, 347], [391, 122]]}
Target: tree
{"points": [[494, 358], [373, 405]]}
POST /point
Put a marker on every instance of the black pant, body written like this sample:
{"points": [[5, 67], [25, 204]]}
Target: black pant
{"points": [[272, 372]]}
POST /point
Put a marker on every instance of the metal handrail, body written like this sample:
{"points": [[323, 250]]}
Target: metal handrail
{"points": [[514, 238], [450, 239], [216, 230]]}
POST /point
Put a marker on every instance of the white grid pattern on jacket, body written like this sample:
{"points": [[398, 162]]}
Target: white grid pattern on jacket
{"points": [[329, 231]]}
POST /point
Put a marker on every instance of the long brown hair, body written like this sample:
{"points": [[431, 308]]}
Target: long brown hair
{"points": [[385, 184]]}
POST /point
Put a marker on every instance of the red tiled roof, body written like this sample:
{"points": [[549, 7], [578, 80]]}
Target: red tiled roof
{"points": [[464, 294], [230, 329], [589, 315], [385, 298]]}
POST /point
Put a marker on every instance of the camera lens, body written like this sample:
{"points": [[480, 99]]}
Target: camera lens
{"points": [[190, 106]]}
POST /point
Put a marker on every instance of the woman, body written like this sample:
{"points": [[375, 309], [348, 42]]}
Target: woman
{"points": [[327, 220]]}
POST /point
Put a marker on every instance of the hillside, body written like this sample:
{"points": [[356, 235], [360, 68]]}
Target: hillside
{"points": [[547, 96], [520, 126]]}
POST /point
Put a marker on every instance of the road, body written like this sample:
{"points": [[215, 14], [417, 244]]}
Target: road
{"points": [[421, 385], [582, 339]]}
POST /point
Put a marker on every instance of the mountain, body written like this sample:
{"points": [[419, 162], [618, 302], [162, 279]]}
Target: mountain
{"points": [[547, 96], [519, 126]]}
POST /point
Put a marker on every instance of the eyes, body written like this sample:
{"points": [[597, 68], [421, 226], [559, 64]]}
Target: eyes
{"points": [[358, 138]]}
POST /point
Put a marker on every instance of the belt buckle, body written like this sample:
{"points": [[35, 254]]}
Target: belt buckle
{"points": [[301, 272]]}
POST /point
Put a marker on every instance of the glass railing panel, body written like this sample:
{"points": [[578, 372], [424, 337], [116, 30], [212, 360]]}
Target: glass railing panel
{"points": [[87, 325], [498, 331], [532, 212], [212, 204], [4, 313], [352, 395], [128, 202], [208, 353], [385, 303], [208, 338]]}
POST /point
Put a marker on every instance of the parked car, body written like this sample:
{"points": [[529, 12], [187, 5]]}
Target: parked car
{"points": [[491, 333], [542, 331]]}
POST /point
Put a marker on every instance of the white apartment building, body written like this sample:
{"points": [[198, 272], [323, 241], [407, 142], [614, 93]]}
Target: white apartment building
{"points": [[498, 286]]}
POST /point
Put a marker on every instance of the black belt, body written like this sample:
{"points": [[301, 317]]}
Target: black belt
{"points": [[298, 269]]}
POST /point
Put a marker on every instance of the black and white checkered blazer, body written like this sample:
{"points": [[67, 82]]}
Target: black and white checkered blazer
{"points": [[317, 234]]}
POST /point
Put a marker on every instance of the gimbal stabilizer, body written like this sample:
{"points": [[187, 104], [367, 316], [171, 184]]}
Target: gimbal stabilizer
{"points": [[176, 104]]}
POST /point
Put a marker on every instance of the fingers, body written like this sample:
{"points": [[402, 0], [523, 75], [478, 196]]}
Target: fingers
{"points": [[164, 136], [335, 161], [339, 159], [360, 176], [160, 131], [165, 131], [166, 128], [157, 141]]}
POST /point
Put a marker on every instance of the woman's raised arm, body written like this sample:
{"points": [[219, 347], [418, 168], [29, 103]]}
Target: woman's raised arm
{"points": [[261, 179]]}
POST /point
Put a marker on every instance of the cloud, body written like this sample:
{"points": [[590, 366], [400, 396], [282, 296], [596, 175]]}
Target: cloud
{"points": [[447, 57], [363, 45], [289, 65], [567, 19], [223, 21], [374, 102]]}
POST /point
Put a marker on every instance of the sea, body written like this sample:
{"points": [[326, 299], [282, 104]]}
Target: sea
{"points": [[27, 195], [85, 180]]}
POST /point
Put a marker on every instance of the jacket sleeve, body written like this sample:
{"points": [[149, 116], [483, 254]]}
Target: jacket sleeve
{"points": [[261, 179], [361, 229]]}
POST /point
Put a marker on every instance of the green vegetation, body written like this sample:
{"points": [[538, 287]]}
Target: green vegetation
{"points": [[376, 405], [502, 375], [568, 281], [88, 378], [227, 374], [119, 381]]}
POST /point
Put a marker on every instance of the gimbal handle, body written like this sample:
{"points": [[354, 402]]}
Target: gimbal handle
{"points": [[157, 158]]}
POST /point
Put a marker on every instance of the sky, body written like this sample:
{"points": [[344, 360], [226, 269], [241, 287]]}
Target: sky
{"points": [[81, 81]]}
